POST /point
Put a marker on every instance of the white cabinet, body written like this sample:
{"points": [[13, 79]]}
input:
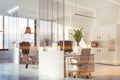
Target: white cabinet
{"points": [[103, 32], [108, 38]]}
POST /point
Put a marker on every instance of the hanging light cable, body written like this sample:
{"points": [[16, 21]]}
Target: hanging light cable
{"points": [[52, 24], [64, 26], [57, 21], [47, 19], [39, 22], [44, 22]]}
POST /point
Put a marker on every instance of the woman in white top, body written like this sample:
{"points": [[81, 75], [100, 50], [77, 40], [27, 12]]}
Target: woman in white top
{"points": [[27, 40]]}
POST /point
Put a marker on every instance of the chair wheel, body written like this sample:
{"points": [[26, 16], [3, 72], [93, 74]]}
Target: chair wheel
{"points": [[87, 76], [33, 62], [74, 76]]}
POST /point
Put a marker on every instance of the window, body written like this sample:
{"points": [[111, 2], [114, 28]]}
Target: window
{"points": [[22, 26], [45, 31], [6, 42], [12, 30], [1, 32], [1, 40]]}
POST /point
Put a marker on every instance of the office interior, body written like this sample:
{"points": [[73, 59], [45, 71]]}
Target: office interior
{"points": [[52, 22]]}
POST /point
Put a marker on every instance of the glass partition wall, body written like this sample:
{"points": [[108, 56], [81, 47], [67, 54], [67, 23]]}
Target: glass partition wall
{"points": [[15, 28], [44, 17], [51, 15], [46, 20]]}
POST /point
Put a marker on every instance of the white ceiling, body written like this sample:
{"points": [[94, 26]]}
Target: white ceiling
{"points": [[30, 8]]}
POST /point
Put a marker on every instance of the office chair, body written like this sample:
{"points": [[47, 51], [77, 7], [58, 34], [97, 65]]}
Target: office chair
{"points": [[84, 64]]}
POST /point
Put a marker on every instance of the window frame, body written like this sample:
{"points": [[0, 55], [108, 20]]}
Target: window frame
{"points": [[3, 45]]}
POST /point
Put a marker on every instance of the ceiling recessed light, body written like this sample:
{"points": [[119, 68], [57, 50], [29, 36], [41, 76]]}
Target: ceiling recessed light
{"points": [[118, 3], [13, 10]]}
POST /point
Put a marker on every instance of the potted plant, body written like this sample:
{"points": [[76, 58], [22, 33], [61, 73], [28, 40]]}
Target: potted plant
{"points": [[77, 35], [47, 41]]}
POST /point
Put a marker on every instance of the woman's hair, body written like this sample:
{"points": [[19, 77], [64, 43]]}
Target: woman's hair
{"points": [[28, 30]]}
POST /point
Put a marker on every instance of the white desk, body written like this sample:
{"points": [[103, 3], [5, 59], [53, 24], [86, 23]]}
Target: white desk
{"points": [[51, 63]]}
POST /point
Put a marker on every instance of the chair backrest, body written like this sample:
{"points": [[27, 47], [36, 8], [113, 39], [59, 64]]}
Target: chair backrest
{"points": [[85, 55], [67, 46]]}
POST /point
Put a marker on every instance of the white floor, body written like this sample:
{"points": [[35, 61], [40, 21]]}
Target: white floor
{"points": [[10, 71]]}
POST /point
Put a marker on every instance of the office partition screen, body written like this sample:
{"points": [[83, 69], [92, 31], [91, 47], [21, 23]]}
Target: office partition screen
{"points": [[51, 16]]}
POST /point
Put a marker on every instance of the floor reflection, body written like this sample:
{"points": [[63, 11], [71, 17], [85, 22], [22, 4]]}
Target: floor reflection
{"points": [[10, 71]]}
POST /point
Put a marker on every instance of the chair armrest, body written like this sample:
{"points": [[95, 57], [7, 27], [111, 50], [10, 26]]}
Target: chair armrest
{"points": [[74, 61]]}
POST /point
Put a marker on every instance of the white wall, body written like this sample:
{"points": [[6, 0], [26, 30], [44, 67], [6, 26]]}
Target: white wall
{"points": [[86, 23], [108, 15]]}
